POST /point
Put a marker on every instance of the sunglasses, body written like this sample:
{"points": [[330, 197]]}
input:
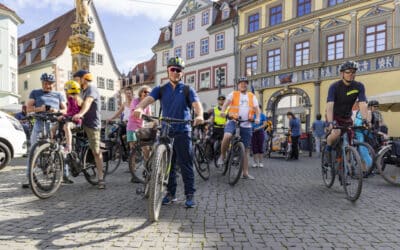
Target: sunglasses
{"points": [[146, 92], [176, 70]]}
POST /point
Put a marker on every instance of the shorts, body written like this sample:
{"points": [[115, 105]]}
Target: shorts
{"points": [[93, 138], [245, 133], [343, 121], [218, 133], [131, 136]]}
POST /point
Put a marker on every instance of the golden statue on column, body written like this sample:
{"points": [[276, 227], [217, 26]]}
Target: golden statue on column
{"points": [[79, 42]]}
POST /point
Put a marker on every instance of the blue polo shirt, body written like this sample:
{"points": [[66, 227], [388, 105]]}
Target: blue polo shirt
{"points": [[294, 125], [174, 105]]}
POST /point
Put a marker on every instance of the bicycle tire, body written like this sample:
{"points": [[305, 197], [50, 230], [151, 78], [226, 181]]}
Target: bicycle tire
{"points": [[139, 173], [217, 152], [371, 152], [236, 162], [387, 166], [89, 167], [115, 157], [49, 163], [156, 188], [288, 151], [201, 163], [352, 173], [327, 169]]}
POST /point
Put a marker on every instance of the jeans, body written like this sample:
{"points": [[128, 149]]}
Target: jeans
{"points": [[183, 156], [295, 147], [318, 144]]}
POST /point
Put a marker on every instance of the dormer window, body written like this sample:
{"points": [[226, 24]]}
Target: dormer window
{"points": [[33, 41], [21, 48], [48, 36], [225, 13], [167, 35]]}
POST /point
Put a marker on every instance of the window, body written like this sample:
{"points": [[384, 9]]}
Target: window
{"points": [[302, 53], [190, 80], [273, 60], [204, 80], [13, 82], [220, 77], [110, 84], [334, 2], [100, 82], [253, 22], [103, 103], [99, 59], [70, 75], [303, 7], [375, 39], [13, 45], [204, 46], [26, 85], [111, 104], [91, 35], [190, 50], [167, 35], [335, 49], [178, 29], [165, 58], [220, 41], [92, 58], [205, 17], [225, 13], [275, 15], [178, 51], [251, 65], [191, 23]]}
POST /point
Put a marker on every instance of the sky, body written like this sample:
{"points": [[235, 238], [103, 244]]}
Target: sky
{"points": [[132, 27]]}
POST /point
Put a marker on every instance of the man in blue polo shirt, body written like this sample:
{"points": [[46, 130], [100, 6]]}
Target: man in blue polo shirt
{"points": [[176, 103]]}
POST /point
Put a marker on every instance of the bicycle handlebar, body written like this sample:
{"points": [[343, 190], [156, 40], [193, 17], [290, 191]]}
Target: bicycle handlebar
{"points": [[165, 119], [45, 116]]}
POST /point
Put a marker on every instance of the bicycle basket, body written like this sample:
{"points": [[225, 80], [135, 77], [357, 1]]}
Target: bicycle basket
{"points": [[146, 134]]}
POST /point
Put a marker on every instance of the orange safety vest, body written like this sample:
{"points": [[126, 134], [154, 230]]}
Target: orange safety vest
{"points": [[234, 106]]}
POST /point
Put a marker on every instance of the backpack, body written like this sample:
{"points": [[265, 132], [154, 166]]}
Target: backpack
{"points": [[186, 90]]}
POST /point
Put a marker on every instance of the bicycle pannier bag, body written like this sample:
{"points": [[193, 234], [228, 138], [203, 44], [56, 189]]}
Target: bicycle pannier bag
{"points": [[396, 148]]}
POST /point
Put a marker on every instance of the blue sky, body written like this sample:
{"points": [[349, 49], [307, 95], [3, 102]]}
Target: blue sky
{"points": [[132, 27]]}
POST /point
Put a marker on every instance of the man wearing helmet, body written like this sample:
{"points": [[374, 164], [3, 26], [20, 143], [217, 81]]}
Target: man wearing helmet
{"points": [[341, 97], [175, 104], [91, 118], [42, 100], [217, 120], [242, 105]]}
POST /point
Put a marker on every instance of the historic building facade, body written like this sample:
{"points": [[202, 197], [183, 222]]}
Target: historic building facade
{"points": [[291, 49], [46, 50], [202, 32]]}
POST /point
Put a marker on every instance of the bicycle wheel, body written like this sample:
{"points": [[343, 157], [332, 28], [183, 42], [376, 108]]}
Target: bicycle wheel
{"points": [[89, 167], [288, 151], [115, 156], [388, 166], [352, 173], [156, 185], [46, 171], [367, 155], [201, 163], [137, 166], [217, 152], [327, 169], [236, 162]]}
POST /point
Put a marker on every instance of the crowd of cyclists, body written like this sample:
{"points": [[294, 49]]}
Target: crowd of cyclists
{"points": [[177, 100]]}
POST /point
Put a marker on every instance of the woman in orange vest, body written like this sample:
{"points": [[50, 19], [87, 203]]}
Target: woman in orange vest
{"points": [[242, 105]]}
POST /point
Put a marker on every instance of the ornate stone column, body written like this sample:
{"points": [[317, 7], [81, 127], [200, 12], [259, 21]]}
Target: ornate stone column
{"points": [[396, 30], [260, 56], [285, 50], [353, 34], [317, 97], [316, 43]]}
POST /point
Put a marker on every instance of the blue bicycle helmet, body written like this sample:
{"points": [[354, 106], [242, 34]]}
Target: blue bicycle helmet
{"points": [[47, 77]]}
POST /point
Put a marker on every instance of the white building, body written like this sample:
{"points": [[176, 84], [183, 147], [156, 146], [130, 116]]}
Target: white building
{"points": [[202, 33], [9, 22], [46, 50]]}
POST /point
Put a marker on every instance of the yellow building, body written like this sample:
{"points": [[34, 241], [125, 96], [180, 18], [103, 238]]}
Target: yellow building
{"points": [[291, 50]]}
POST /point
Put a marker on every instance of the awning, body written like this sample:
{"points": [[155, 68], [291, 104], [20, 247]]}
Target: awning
{"points": [[389, 101]]}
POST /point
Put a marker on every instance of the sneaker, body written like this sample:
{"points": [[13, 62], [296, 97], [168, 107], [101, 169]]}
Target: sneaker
{"points": [[190, 203], [168, 199], [248, 177], [261, 165], [66, 180], [255, 165], [101, 184], [220, 161]]}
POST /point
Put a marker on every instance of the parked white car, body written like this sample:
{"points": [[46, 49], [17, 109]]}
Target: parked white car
{"points": [[12, 139]]}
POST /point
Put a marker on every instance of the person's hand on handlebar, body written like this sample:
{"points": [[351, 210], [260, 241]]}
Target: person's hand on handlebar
{"points": [[198, 120], [137, 113]]}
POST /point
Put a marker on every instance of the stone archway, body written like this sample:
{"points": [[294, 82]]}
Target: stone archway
{"points": [[304, 109]]}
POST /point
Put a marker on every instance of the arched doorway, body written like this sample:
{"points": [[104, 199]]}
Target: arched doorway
{"points": [[295, 100]]}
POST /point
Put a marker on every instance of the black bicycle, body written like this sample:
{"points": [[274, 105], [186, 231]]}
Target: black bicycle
{"points": [[201, 158], [115, 139]]}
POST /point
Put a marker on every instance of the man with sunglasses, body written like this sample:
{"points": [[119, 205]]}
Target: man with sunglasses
{"points": [[175, 104], [341, 97]]}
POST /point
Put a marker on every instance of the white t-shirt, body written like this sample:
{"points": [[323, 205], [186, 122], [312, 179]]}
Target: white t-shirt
{"points": [[244, 107]]}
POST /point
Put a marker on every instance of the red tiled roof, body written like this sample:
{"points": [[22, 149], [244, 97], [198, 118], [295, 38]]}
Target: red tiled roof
{"points": [[218, 18], [57, 43], [2, 6], [150, 65], [161, 38]]}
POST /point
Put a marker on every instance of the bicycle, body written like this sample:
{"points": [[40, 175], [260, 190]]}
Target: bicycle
{"points": [[117, 144], [388, 162], [345, 162], [201, 158], [236, 152], [284, 146], [160, 164], [47, 162]]}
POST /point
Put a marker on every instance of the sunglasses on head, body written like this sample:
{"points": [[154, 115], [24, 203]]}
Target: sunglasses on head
{"points": [[350, 72], [177, 70]]}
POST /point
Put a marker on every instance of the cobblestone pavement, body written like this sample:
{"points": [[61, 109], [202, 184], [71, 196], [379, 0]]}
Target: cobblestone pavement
{"points": [[287, 206]]}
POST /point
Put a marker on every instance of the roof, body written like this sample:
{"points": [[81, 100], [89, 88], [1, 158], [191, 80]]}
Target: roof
{"points": [[11, 12], [161, 39], [59, 31], [218, 18], [148, 68]]}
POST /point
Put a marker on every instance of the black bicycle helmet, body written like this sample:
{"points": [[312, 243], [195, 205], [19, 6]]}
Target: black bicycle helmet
{"points": [[177, 62], [243, 79], [348, 65], [84, 74], [47, 77], [221, 97], [373, 103]]}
